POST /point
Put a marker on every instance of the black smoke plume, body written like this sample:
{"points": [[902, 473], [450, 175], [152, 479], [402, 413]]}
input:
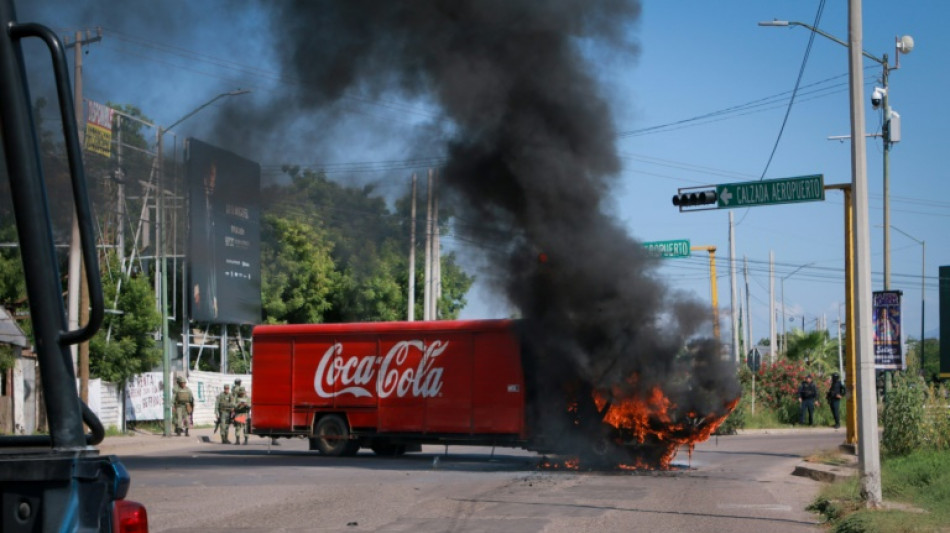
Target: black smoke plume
{"points": [[530, 160]]}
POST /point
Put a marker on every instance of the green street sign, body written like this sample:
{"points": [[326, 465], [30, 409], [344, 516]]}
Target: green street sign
{"points": [[769, 192], [678, 248]]}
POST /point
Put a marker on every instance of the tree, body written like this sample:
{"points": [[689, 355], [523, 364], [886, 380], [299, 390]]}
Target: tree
{"points": [[816, 348], [12, 282], [124, 346], [931, 362], [368, 246], [298, 275]]}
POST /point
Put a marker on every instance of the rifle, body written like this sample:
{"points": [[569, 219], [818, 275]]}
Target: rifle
{"points": [[217, 424]]}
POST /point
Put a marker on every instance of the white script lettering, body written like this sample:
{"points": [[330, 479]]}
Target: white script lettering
{"points": [[354, 373]]}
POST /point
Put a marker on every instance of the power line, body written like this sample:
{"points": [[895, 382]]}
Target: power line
{"points": [[798, 81]]}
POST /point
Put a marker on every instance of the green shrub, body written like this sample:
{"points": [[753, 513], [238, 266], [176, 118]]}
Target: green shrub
{"points": [[825, 507], [903, 415], [777, 383], [936, 430], [860, 522]]}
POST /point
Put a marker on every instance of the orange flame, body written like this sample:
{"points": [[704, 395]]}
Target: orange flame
{"points": [[653, 431]]}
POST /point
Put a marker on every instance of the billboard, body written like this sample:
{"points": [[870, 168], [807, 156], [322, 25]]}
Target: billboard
{"points": [[98, 137], [224, 255], [888, 353]]}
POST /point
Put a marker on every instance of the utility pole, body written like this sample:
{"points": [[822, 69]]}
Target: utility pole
{"points": [[78, 300], [885, 133], [732, 283], [162, 284], [868, 445], [433, 272], [773, 343], [412, 253], [850, 351], [427, 283], [436, 252], [748, 309], [120, 196]]}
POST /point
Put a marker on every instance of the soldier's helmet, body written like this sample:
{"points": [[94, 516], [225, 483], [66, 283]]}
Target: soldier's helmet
{"points": [[181, 379], [237, 381], [242, 392], [227, 387]]}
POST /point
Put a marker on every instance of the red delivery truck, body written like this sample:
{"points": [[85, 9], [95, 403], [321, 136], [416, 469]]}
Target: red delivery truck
{"points": [[392, 386]]}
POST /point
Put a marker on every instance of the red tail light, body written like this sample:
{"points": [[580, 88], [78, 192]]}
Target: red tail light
{"points": [[129, 517]]}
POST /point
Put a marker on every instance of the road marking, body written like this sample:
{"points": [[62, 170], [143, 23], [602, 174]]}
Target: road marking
{"points": [[756, 506]]}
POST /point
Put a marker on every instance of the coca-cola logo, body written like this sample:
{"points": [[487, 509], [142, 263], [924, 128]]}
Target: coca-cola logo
{"points": [[388, 375]]}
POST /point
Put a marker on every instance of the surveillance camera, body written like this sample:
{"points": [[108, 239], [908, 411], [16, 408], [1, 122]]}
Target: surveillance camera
{"points": [[877, 96]]}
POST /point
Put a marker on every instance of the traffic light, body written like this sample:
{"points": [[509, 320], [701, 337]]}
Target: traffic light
{"points": [[689, 199]]}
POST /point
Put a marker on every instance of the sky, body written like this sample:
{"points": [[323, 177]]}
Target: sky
{"points": [[701, 101]]}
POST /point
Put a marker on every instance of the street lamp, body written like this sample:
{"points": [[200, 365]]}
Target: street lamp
{"points": [[923, 287], [890, 130], [784, 334], [160, 238]]}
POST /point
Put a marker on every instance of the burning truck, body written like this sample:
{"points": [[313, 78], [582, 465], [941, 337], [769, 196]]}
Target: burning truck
{"points": [[393, 386]]}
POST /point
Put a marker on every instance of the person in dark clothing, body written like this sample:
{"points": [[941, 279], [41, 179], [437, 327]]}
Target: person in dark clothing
{"points": [[835, 393], [807, 396]]}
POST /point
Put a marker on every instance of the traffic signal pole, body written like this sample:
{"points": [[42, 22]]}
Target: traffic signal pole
{"points": [[713, 289], [851, 412]]}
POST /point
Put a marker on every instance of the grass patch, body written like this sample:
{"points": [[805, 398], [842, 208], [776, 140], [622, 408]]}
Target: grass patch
{"points": [[113, 431], [763, 419], [918, 484]]}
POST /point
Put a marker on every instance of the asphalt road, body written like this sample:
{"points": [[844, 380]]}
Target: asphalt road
{"points": [[737, 484]]}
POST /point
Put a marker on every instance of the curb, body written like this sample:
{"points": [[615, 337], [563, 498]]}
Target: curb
{"points": [[790, 431], [825, 473]]}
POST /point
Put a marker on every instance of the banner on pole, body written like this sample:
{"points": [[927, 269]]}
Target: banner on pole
{"points": [[888, 352]]}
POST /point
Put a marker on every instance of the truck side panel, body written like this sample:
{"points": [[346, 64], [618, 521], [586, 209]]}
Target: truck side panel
{"points": [[400, 410], [336, 373], [411, 379], [271, 403], [499, 399], [448, 409]]}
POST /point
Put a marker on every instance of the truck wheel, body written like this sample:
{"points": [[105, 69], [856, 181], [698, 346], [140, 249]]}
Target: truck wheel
{"points": [[331, 437]]}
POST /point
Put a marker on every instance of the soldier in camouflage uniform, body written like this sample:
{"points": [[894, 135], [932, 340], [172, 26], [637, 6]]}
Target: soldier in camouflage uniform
{"points": [[242, 410], [237, 388], [184, 405], [222, 406]]}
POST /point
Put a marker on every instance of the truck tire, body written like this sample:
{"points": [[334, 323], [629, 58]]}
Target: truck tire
{"points": [[331, 437]]}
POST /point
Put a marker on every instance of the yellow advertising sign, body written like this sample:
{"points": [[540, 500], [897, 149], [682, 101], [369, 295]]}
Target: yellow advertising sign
{"points": [[99, 129]]}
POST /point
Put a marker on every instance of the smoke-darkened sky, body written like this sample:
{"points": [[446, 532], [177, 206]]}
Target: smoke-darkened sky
{"points": [[663, 68]]}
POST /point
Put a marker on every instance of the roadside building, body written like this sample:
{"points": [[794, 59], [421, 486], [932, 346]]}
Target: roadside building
{"points": [[19, 394]]}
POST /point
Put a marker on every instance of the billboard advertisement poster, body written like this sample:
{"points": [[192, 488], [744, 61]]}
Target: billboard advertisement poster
{"points": [[888, 353], [224, 255], [98, 138]]}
